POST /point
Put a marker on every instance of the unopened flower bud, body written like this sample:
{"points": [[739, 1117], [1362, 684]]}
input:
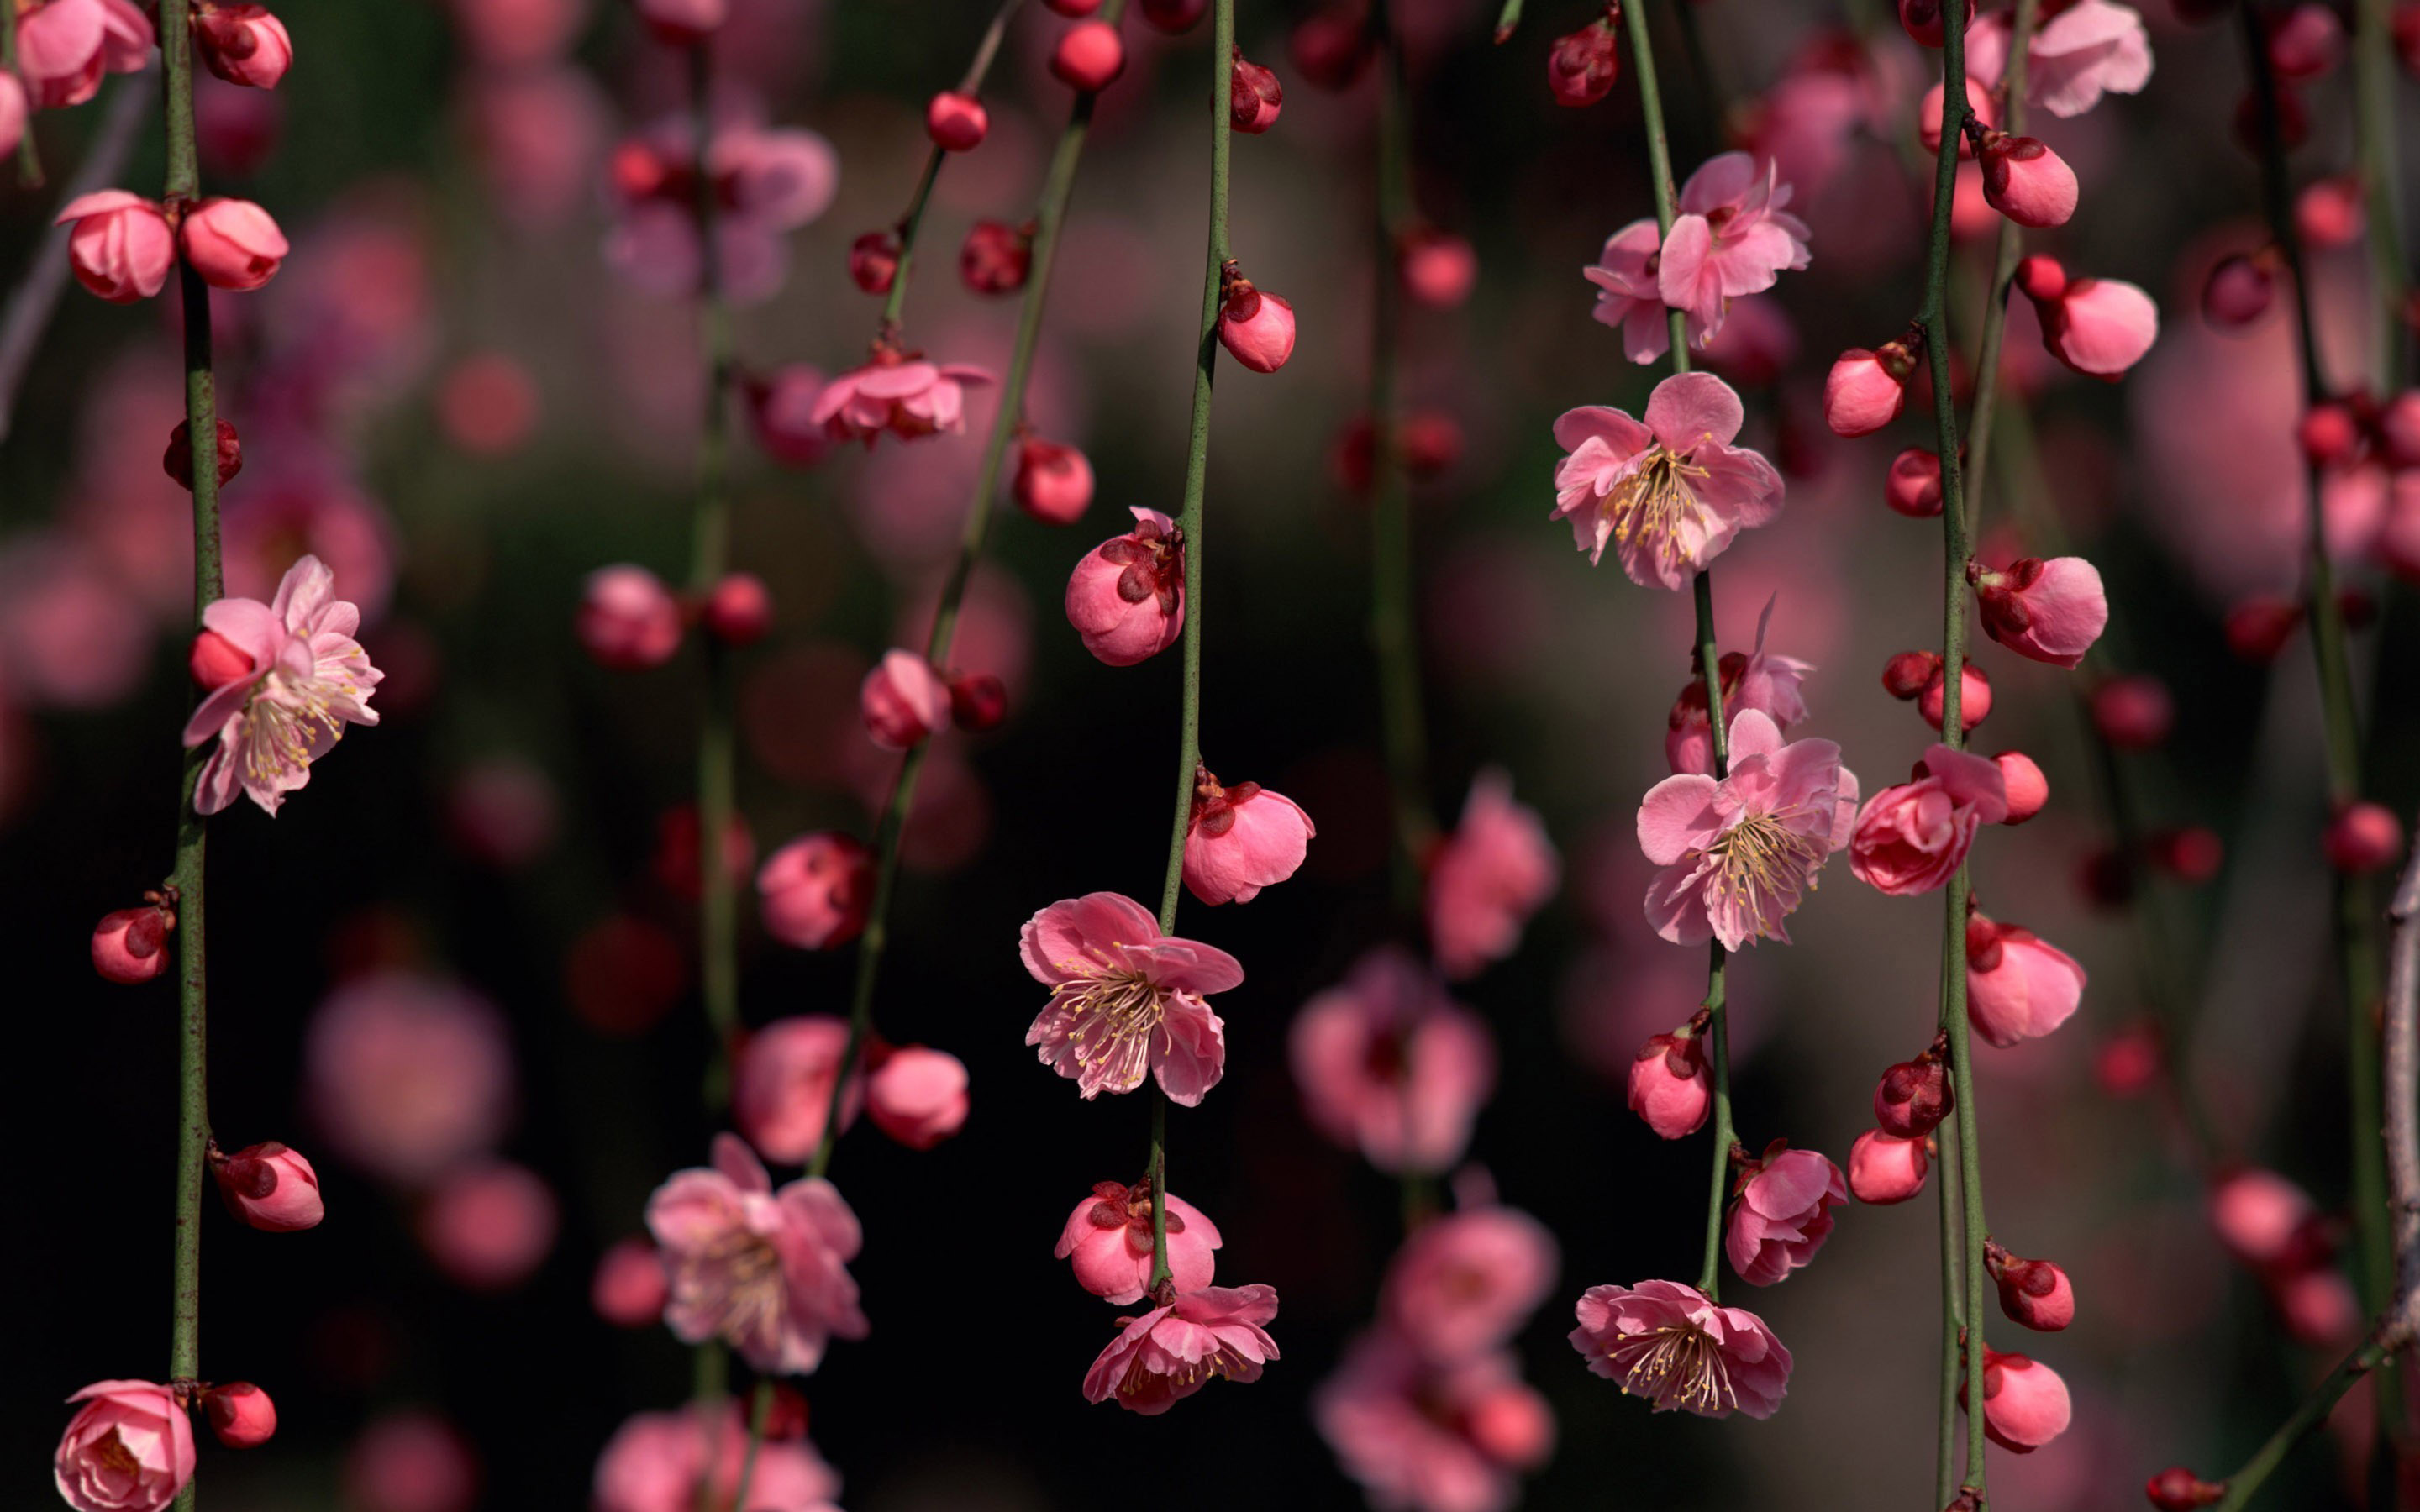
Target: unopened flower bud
{"points": [[122, 247], [1866, 390], [2027, 181], [903, 701], [2192, 855], [956, 122], [2258, 627], [1921, 20], [627, 620], [1927, 117], [1885, 1168], [2128, 1063], [1582, 66], [232, 243], [996, 258], [918, 1096], [2040, 277], [2134, 712], [2028, 790], [2034, 1294], [1256, 329], [1254, 96], [2025, 1404], [131, 944], [215, 662], [1089, 55], [1912, 1097], [2364, 838], [739, 610], [1054, 482], [2238, 291], [2305, 42], [815, 892], [2179, 1489], [1668, 1084], [873, 261], [241, 1414], [178, 459], [271, 1187], [1438, 269], [1912, 486], [630, 1287], [2329, 433], [2329, 213], [978, 702], [243, 43], [1906, 674], [1974, 698]]}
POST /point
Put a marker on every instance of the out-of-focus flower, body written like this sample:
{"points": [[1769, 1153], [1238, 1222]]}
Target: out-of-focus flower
{"points": [[1126, 597], [405, 1075], [122, 247], [1669, 493], [1108, 1238], [956, 121], [631, 1287], [2089, 48], [1486, 878], [916, 1094], [64, 46], [1909, 838], [1438, 269], [1739, 854], [1388, 1064], [1241, 839], [1430, 1438], [909, 397], [767, 182], [765, 1272], [1054, 482], [1674, 1347], [1171, 1353], [816, 891], [1126, 1001], [1783, 1214], [13, 111], [995, 257], [1463, 1285], [1089, 56], [305, 680], [2366, 837], [1764, 681], [683, 23], [1731, 237], [129, 1448], [629, 620], [903, 701], [1582, 66], [490, 1225], [783, 1085], [411, 1462], [661, 1462], [271, 1187]]}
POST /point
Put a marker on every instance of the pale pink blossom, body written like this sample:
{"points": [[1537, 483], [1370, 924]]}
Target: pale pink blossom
{"points": [[782, 405], [405, 1075], [1670, 493], [1389, 1064], [2099, 327], [1125, 1000], [1425, 1437], [816, 891], [1765, 681], [2051, 611], [129, 1448], [1730, 238], [2019, 986], [121, 248], [64, 46], [271, 1187], [916, 1094], [1126, 597], [1783, 1214], [1486, 878], [307, 678], [1675, 1347], [781, 1092], [765, 1272], [1627, 297], [1108, 1238], [1171, 1353], [1912, 837], [909, 397], [659, 1462], [2265, 1220], [903, 700], [1738, 854], [2025, 1404], [490, 1223], [2088, 49], [1241, 839], [1463, 1285], [1884, 1168]]}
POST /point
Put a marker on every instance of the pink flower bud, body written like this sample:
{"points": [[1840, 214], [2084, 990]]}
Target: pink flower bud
{"points": [[243, 43], [1330, 48], [956, 122], [2134, 712], [630, 1287], [1866, 390], [2364, 838], [2317, 1307], [2266, 1221], [873, 261], [1885, 1168], [1174, 17], [1241, 839], [2027, 181], [1054, 482], [2025, 1404], [1973, 697], [178, 459], [918, 1096], [1913, 486], [2034, 1294], [815, 890], [1438, 269], [121, 248], [1254, 97], [1511, 1425], [2128, 1063], [1256, 329], [1668, 1084], [2028, 790], [2040, 277], [215, 662], [978, 702], [2238, 292], [683, 22], [2305, 42], [2329, 433], [490, 1225], [782, 411], [1914, 1096], [2019, 986], [2050, 612], [903, 700], [232, 243], [2329, 213], [271, 1187], [739, 610], [1126, 597], [131, 944], [1927, 117], [1921, 20], [1910, 672], [1088, 56], [2192, 855], [627, 620], [2179, 1489], [995, 257], [241, 1414], [1109, 1243], [2258, 627], [2099, 327], [1582, 66], [129, 1448]]}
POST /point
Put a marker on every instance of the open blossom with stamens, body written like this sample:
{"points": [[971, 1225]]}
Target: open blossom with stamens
{"points": [[905, 396], [304, 678], [128, 1449], [1669, 494], [1171, 1353], [1739, 854], [1912, 837], [1126, 1001], [1389, 1065], [1627, 297], [1675, 1347], [766, 1272], [1108, 1239], [1731, 237]]}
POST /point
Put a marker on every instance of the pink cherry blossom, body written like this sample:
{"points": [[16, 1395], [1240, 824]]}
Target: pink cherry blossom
{"points": [[121, 248], [1126, 597], [1627, 297], [1783, 1214], [2051, 611], [411, 1461], [1679, 1350], [659, 1462], [1669, 494], [782, 1093], [1126, 1001], [1730, 238], [405, 1075], [2017, 985], [1486, 878], [909, 397], [1430, 1437], [1108, 1239], [64, 46], [767, 183], [1760, 680], [2088, 49], [1241, 839], [782, 405], [1463, 1285], [2025, 1404], [765, 1272], [1910, 839], [128, 1449], [1171, 1353], [1389, 1065], [917, 1095], [307, 678], [1739, 854]]}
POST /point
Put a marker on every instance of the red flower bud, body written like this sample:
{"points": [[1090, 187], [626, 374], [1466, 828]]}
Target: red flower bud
{"points": [[1254, 97], [2238, 291], [739, 610], [956, 122], [1912, 486], [2258, 627], [2364, 838], [241, 1414], [1905, 675], [1089, 56], [873, 261], [1582, 66], [131, 944], [1174, 16], [178, 459], [2179, 1489], [2192, 855], [978, 702], [1330, 48], [2034, 1294], [1054, 482], [996, 258]]}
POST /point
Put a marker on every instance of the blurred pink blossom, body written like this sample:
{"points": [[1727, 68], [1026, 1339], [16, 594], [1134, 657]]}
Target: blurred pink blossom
{"points": [[1430, 1439], [765, 1272], [658, 1462], [783, 1086], [1487, 878], [1389, 1065], [1463, 1285], [407, 1074]]}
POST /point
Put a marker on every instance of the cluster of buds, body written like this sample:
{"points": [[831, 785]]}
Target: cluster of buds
{"points": [[629, 620], [130, 1444], [123, 245], [1888, 1162]]}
